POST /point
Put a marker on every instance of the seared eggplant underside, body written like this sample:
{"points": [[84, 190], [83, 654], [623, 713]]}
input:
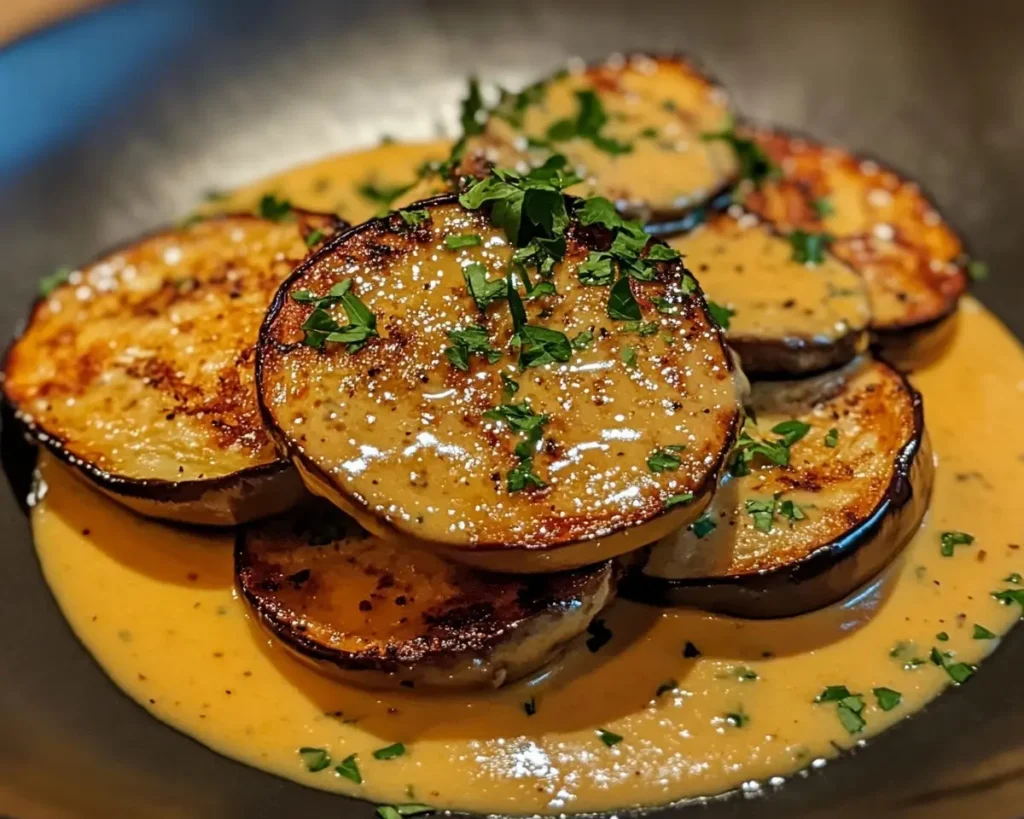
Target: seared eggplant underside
{"points": [[912, 261], [790, 314], [138, 371], [417, 449], [631, 126], [350, 603], [786, 539]]}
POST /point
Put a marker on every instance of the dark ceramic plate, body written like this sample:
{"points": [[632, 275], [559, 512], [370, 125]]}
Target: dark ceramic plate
{"points": [[119, 121]]}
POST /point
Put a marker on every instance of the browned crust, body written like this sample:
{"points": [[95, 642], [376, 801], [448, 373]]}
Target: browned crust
{"points": [[152, 489], [488, 609], [663, 220], [800, 192], [566, 532], [834, 569]]}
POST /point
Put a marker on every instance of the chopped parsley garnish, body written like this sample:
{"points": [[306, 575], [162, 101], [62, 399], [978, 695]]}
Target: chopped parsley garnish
{"points": [[48, 284], [583, 340], [469, 341], [738, 718], [744, 674], [942, 637], [1014, 578], [274, 209], [315, 759], [666, 687], [982, 633], [608, 738], [542, 345], [748, 447], [848, 707], [382, 195], [832, 438], [522, 476], [665, 459], [414, 217], [313, 237], [690, 651], [720, 315], [483, 290], [809, 248], [590, 119], [511, 107], [789, 510], [823, 207], [703, 526], [791, 431], [764, 512], [958, 672], [321, 326], [521, 418], [622, 304], [390, 751], [471, 109], [628, 355], [456, 241], [1008, 596], [678, 500], [949, 540], [398, 811], [349, 769], [598, 269], [510, 385], [977, 270], [530, 706], [887, 698], [754, 162]]}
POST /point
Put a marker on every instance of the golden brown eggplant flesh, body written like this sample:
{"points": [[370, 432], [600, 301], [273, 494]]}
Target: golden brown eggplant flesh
{"points": [[138, 371], [882, 224], [793, 312], [380, 614], [632, 126], [785, 539], [419, 450]]}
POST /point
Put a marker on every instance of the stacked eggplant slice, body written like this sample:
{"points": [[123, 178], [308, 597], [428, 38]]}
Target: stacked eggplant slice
{"points": [[455, 432]]}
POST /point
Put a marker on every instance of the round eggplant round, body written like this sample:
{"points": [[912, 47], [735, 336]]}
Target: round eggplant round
{"points": [[879, 222], [794, 307], [138, 369], [514, 444], [379, 614], [823, 491], [633, 127]]}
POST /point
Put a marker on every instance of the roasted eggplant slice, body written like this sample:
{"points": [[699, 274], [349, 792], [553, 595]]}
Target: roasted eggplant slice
{"points": [[882, 225], [138, 371], [345, 601], [514, 432], [778, 540], [632, 126], [792, 312]]}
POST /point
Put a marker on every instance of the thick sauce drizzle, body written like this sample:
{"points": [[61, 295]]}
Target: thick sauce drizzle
{"points": [[156, 607]]}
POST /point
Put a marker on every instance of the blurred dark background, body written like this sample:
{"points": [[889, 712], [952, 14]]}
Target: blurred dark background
{"points": [[118, 120]]}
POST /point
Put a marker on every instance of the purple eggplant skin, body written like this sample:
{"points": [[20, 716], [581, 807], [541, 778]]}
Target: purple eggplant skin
{"points": [[828, 574]]}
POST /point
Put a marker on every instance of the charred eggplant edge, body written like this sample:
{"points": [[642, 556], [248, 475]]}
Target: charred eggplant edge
{"points": [[905, 332], [803, 586], [419, 652], [152, 496], [541, 558]]}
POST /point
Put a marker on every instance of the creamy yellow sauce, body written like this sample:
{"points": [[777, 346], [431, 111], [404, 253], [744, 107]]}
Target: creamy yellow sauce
{"points": [[156, 607]]}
